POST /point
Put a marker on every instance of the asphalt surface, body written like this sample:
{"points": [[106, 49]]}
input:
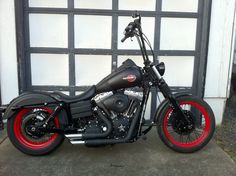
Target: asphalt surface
{"points": [[149, 157], [226, 133]]}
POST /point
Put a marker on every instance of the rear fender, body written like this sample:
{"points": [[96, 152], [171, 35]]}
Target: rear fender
{"points": [[31, 99], [165, 102]]}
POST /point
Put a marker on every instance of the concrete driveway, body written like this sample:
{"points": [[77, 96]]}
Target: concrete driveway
{"points": [[150, 157]]}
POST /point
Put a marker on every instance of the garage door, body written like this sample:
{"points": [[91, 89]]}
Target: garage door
{"points": [[67, 45]]}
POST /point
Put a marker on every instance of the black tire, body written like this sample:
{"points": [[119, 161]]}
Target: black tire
{"points": [[169, 133], [26, 146]]}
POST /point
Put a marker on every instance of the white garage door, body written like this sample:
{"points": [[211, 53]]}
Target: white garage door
{"points": [[67, 45]]}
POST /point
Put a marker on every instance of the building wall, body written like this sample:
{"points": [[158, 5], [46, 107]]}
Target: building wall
{"points": [[220, 55], [218, 66], [8, 59]]}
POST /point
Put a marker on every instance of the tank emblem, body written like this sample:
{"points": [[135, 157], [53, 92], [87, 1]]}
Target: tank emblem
{"points": [[130, 78]]}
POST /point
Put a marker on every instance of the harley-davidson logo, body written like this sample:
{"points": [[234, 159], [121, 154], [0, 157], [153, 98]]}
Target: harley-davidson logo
{"points": [[130, 78]]}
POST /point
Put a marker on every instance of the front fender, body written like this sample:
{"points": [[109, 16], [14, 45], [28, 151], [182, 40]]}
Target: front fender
{"points": [[165, 103], [31, 99]]}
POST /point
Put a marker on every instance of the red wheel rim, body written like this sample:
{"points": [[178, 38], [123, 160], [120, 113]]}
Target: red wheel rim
{"points": [[201, 138], [24, 140]]}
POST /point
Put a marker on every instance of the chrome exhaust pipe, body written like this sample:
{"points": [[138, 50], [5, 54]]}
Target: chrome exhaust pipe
{"points": [[74, 136], [77, 142]]}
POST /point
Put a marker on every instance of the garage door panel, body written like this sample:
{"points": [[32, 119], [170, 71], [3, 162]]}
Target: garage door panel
{"points": [[48, 3], [93, 31], [93, 4], [50, 69], [148, 24], [78, 92], [180, 6], [88, 34], [179, 70], [148, 5], [90, 69], [147, 114], [137, 59], [48, 30], [175, 75], [178, 33]]}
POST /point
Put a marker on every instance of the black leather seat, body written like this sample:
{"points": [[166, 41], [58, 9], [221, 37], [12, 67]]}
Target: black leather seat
{"points": [[88, 94]]}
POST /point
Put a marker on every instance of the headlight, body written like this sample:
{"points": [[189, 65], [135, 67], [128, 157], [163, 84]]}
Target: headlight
{"points": [[161, 68]]}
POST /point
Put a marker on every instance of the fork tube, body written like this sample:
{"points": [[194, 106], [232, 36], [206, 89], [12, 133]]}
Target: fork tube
{"points": [[165, 90]]}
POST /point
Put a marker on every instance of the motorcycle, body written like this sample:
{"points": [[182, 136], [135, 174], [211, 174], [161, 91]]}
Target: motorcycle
{"points": [[112, 111]]}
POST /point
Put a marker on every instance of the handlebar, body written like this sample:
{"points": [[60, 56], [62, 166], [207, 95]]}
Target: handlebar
{"points": [[124, 38], [130, 29], [134, 29]]}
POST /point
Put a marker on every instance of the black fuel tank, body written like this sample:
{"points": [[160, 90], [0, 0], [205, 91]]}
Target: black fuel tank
{"points": [[125, 76]]}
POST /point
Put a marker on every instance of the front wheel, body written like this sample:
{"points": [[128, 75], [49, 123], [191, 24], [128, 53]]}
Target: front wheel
{"points": [[182, 137], [27, 138]]}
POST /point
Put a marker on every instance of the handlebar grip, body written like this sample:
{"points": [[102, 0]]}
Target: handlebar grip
{"points": [[124, 38]]}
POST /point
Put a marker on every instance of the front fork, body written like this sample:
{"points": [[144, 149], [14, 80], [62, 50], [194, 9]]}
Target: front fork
{"points": [[165, 90]]}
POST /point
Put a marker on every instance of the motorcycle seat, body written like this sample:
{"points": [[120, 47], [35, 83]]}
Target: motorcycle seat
{"points": [[88, 94]]}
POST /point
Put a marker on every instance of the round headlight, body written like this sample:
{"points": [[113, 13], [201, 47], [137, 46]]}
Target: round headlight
{"points": [[161, 68]]}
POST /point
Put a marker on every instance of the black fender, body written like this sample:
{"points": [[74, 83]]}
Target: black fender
{"points": [[31, 99], [165, 103]]}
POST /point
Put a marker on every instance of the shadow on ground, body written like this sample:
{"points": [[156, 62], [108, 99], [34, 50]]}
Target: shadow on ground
{"points": [[150, 157]]}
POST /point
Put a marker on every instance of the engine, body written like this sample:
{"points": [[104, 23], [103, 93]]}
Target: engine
{"points": [[116, 108], [120, 107]]}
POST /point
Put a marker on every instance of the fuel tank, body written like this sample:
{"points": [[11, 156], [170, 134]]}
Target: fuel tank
{"points": [[126, 76]]}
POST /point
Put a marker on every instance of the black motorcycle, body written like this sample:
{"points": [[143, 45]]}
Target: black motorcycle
{"points": [[112, 111]]}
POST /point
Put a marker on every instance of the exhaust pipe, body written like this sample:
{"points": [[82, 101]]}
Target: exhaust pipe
{"points": [[116, 141], [77, 142], [112, 141], [99, 135], [75, 138]]}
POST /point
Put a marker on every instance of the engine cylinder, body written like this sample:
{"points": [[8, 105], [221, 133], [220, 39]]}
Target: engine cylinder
{"points": [[117, 102]]}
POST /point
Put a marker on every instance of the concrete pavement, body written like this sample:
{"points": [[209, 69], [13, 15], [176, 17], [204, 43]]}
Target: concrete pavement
{"points": [[150, 157]]}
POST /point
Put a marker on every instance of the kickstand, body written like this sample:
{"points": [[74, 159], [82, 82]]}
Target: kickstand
{"points": [[144, 137]]}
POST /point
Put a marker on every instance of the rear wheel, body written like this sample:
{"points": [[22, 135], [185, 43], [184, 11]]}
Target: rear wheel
{"points": [[183, 137], [27, 138]]}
